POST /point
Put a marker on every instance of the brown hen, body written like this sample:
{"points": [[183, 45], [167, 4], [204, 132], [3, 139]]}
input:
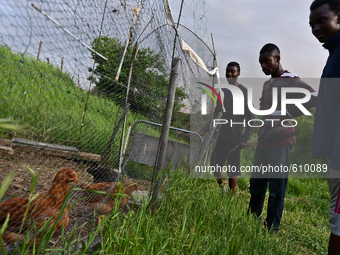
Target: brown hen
{"points": [[103, 203], [42, 209]]}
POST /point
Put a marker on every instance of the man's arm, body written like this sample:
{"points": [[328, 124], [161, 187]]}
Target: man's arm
{"points": [[294, 111], [248, 131]]}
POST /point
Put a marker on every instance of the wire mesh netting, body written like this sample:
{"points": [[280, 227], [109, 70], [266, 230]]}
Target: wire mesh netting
{"points": [[88, 81]]}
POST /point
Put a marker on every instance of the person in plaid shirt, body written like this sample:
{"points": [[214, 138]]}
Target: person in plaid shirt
{"points": [[276, 137]]}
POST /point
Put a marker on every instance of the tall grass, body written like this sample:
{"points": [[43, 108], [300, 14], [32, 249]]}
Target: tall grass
{"points": [[52, 106], [193, 217]]}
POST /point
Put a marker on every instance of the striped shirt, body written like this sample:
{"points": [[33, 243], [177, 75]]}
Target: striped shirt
{"points": [[274, 135]]}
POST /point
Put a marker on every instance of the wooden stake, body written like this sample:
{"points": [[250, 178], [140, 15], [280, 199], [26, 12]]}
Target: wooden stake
{"points": [[62, 64], [39, 50], [68, 32]]}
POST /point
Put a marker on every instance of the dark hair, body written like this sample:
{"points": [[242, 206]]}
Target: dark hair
{"points": [[270, 48], [233, 63], [334, 5]]}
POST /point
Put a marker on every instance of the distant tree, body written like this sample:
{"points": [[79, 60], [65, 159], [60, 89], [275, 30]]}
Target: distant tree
{"points": [[149, 82]]}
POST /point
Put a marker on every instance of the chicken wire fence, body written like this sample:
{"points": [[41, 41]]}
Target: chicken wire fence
{"points": [[88, 81]]}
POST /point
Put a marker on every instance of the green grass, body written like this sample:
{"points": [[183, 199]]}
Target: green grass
{"points": [[193, 217], [52, 106], [306, 215], [190, 221]]}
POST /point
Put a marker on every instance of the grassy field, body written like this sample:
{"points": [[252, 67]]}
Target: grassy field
{"points": [[193, 217], [52, 107]]}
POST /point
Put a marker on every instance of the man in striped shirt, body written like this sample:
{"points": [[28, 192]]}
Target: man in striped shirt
{"points": [[276, 136]]}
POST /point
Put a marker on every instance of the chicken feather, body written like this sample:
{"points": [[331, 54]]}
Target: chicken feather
{"points": [[104, 204], [42, 210]]}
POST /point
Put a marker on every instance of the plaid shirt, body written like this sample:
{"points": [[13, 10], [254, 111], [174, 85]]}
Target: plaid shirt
{"points": [[273, 135]]}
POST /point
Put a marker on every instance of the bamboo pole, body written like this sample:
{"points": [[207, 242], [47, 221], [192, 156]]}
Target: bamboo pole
{"points": [[128, 41], [68, 32], [39, 50], [126, 101], [127, 138], [62, 64]]}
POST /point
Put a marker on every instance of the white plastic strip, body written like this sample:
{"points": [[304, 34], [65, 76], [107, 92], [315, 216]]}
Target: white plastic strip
{"points": [[200, 63], [196, 58], [168, 12]]}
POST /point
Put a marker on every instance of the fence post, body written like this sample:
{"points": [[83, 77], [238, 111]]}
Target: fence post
{"points": [[62, 64], [163, 142], [205, 149], [39, 50]]}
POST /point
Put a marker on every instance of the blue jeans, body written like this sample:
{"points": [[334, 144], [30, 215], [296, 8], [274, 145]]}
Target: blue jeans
{"points": [[277, 184]]}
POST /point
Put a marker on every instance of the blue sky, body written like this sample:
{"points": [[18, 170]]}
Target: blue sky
{"points": [[241, 27]]}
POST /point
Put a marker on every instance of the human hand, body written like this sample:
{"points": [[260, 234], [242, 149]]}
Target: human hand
{"points": [[242, 145]]}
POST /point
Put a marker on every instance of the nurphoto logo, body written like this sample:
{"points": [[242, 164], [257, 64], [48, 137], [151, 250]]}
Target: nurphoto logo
{"points": [[239, 104]]}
